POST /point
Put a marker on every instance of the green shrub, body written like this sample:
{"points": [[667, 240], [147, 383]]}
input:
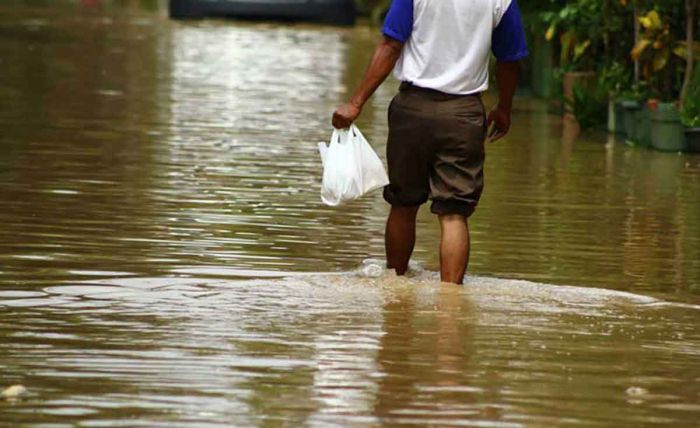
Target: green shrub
{"points": [[588, 106], [614, 78]]}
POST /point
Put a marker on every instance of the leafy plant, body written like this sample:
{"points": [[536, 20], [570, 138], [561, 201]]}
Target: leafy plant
{"points": [[655, 46], [538, 13], [660, 53], [638, 91], [577, 25], [615, 78], [588, 31], [587, 105]]}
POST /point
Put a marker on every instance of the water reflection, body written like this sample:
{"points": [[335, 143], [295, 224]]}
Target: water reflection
{"points": [[323, 349], [420, 385]]}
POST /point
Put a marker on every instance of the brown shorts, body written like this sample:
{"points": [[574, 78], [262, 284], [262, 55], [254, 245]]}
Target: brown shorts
{"points": [[436, 150]]}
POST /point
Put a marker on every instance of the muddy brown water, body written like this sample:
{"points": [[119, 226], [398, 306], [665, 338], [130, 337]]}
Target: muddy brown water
{"points": [[165, 259]]}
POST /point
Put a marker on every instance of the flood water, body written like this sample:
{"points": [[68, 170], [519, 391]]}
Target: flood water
{"points": [[165, 259]]}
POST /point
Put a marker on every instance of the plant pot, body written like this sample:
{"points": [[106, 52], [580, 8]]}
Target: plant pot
{"points": [[612, 124], [692, 138], [616, 123], [642, 128], [667, 131], [629, 118]]}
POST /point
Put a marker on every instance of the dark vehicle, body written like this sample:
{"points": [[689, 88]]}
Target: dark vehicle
{"points": [[339, 12]]}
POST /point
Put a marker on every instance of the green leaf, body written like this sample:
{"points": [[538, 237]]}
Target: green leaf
{"points": [[550, 32], [567, 40], [580, 48]]}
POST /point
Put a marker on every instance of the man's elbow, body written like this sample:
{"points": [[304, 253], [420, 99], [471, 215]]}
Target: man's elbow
{"points": [[392, 46]]}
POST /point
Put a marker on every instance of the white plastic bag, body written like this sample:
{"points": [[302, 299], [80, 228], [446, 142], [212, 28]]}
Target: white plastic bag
{"points": [[350, 167]]}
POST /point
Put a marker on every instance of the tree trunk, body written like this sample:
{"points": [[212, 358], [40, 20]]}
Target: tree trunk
{"points": [[635, 14], [691, 7], [606, 34]]}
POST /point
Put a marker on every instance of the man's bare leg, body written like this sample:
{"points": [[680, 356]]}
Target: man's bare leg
{"points": [[400, 237], [454, 248]]}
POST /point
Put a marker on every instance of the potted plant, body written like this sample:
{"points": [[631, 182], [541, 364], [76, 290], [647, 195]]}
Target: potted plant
{"points": [[690, 93], [615, 75], [612, 79], [629, 107], [667, 131], [577, 25], [690, 114], [643, 131], [654, 50], [631, 102]]}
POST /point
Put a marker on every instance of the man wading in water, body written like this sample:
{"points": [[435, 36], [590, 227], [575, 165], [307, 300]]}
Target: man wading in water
{"points": [[439, 50]]}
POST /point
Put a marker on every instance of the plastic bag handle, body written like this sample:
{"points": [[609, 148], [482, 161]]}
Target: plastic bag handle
{"points": [[335, 138], [351, 129]]}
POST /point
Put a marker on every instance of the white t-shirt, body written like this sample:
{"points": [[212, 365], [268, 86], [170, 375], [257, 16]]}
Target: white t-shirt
{"points": [[447, 42]]}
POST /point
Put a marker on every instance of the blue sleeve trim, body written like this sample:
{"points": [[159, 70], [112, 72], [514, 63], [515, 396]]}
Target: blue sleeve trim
{"points": [[394, 35], [514, 57], [508, 38], [398, 23]]}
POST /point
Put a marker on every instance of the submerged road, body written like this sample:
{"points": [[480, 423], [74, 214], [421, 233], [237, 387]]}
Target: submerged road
{"points": [[165, 259]]}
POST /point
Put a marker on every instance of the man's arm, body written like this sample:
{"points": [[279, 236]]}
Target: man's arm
{"points": [[509, 46], [506, 81], [383, 60]]}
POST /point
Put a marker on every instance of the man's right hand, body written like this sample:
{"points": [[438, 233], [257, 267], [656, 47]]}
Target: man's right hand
{"points": [[498, 123], [345, 115]]}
